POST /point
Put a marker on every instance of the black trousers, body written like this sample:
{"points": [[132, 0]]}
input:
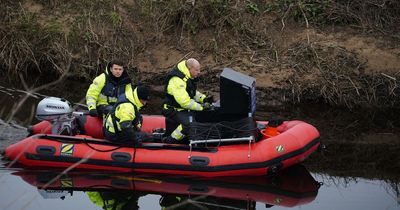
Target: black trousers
{"points": [[131, 138], [175, 118]]}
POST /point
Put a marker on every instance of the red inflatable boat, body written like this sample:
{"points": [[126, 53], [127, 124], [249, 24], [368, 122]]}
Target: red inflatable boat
{"points": [[292, 187], [263, 149], [296, 141]]}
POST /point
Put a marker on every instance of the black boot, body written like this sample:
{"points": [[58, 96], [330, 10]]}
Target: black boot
{"points": [[169, 140]]}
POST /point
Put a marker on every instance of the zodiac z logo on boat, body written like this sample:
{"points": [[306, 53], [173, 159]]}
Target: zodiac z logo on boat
{"points": [[280, 148], [67, 149], [66, 182]]}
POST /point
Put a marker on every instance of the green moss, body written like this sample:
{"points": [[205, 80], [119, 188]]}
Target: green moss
{"points": [[115, 19], [27, 23], [252, 7], [53, 27]]}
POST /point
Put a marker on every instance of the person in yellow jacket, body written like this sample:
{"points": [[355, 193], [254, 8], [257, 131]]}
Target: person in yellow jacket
{"points": [[184, 202], [124, 121], [115, 200], [106, 87], [182, 98]]}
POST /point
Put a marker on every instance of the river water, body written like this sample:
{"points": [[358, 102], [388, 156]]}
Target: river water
{"points": [[359, 169]]}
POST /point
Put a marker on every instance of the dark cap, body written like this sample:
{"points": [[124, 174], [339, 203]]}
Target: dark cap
{"points": [[143, 93]]}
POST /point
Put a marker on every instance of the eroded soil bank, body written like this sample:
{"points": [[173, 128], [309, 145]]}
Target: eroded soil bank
{"points": [[338, 52]]}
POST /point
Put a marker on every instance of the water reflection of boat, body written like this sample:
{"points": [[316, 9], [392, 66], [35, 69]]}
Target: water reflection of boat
{"points": [[294, 186]]}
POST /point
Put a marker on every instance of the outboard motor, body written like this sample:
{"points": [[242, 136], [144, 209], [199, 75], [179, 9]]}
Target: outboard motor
{"points": [[59, 113]]}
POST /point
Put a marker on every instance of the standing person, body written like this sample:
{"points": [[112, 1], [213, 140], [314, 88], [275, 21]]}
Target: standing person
{"points": [[124, 121], [182, 98], [106, 87]]}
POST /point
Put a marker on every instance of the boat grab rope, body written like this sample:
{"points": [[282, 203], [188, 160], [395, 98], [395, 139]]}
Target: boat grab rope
{"points": [[99, 150], [110, 150]]}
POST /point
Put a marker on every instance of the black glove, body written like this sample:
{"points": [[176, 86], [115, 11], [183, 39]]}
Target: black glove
{"points": [[207, 106], [104, 109], [127, 135], [157, 137], [139, 122], [93, 113], [209, 99]]}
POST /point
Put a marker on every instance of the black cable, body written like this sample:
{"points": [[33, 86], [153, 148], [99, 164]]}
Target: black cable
{"points": [[202, 125], [134, 152], [223, 126], [98, 150], [214, 130]]}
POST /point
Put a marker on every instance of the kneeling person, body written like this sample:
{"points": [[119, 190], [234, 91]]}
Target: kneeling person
{"points": [[124, 121]]}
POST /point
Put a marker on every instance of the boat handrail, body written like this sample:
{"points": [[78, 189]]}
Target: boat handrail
{"points": [[249, 139]]}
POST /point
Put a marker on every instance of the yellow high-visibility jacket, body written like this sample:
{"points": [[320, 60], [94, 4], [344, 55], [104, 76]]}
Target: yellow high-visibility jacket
{"points": [[181, 90], [105, 89], [126, 110]]}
